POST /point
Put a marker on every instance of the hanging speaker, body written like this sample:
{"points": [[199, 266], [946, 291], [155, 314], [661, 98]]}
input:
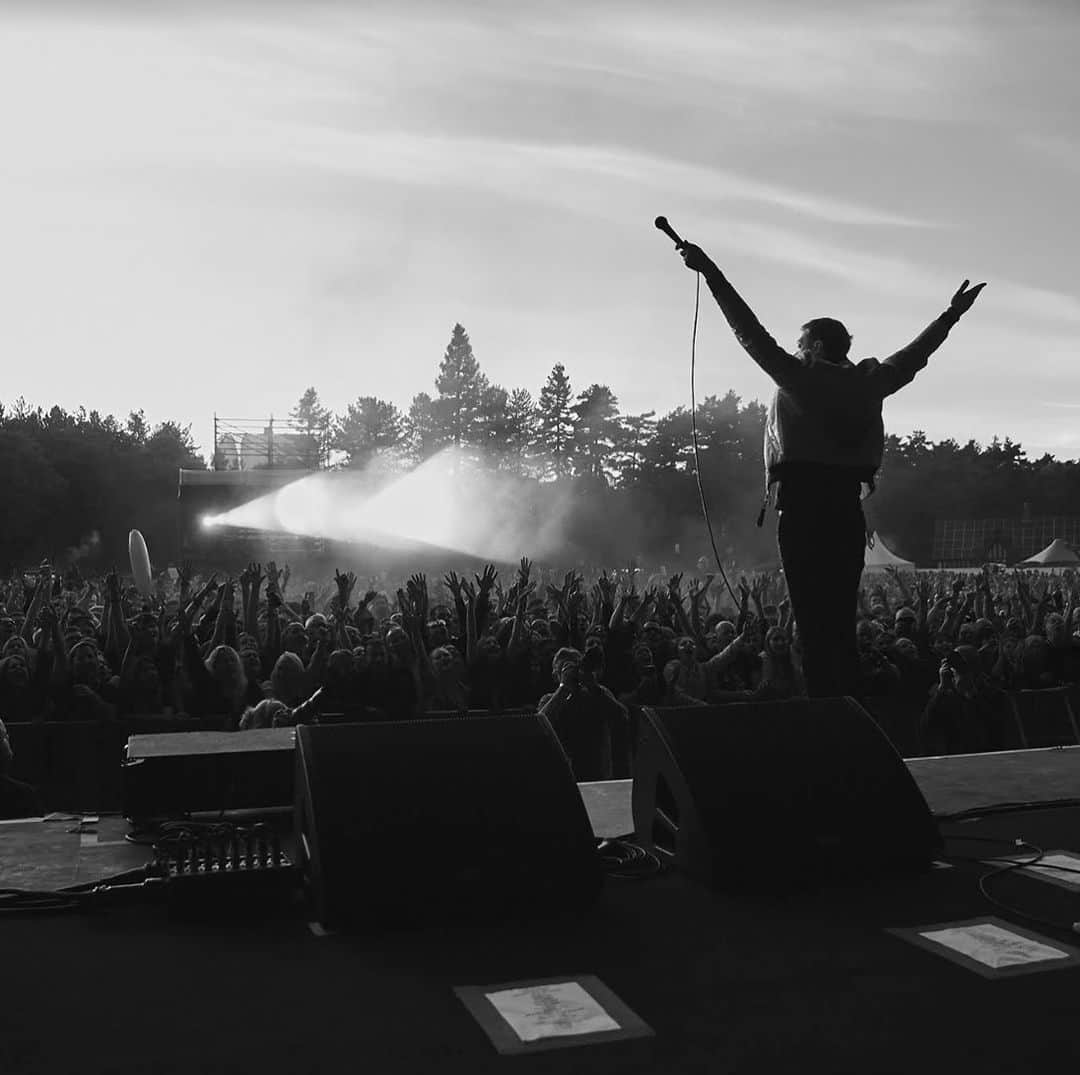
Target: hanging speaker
{"points": [[410, 822], [778, 792]]}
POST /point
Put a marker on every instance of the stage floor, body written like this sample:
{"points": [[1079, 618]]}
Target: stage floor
{"points": [[727, 984]]}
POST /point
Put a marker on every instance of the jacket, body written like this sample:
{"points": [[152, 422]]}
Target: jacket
{"points": [[825, 412]]}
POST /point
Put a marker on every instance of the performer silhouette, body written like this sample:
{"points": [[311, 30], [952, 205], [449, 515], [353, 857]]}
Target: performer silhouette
{"points": [[824, 438]]}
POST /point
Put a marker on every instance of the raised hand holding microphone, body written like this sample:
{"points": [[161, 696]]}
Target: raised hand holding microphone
{"points": [[695, 258]]}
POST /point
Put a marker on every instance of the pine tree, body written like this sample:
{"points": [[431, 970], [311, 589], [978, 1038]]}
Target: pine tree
{"points": [[369, 427], [137, 426], [314, 421], [422, 428], [636, 433], [521, 429], [596, 430], [492, 424], [556, 421], [461, 388]]}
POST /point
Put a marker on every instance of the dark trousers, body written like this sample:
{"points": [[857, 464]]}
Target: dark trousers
{"points": [[822, 539]]}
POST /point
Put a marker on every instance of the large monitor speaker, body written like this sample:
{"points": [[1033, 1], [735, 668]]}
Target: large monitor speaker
{"points": [[789, 793], [415, 822]]}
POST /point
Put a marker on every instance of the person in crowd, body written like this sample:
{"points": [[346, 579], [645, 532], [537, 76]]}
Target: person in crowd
{"points": [[1035, 671], [917, 673], [689, 675], [268, 713], [89, 691], [734, 672], [585, 715], [446, 691], [649, 687], [1062, 650], [251, 658], [217, 683], [674, 695], [17, 798], [877, 675], [966, 714], [18, 700], [781, 676], [289, 679]]}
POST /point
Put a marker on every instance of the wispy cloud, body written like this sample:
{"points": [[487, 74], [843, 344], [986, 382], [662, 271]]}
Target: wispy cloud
{"points": [[532, 170], [890, 59]]}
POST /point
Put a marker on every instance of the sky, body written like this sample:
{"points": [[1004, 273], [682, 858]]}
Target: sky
{"points": [[207, 207]]}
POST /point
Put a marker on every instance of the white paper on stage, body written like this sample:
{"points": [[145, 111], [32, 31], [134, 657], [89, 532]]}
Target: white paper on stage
{"points": [[993, 946], [548, 1011], [1064, 877]]}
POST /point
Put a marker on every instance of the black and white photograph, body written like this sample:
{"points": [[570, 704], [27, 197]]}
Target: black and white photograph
{"points": [[539, 528]]}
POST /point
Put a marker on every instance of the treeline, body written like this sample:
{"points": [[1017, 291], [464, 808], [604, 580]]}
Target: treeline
{"points": [[73, 485], [557, 434], [66, 477], [921, 481]]}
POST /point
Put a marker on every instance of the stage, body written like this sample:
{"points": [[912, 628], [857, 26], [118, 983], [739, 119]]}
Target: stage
{"points": [[809, 981]]}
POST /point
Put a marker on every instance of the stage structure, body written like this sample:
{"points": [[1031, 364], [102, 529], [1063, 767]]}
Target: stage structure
{"points": [[960, 543], [273, 443], [203, 493], [252, 457]]}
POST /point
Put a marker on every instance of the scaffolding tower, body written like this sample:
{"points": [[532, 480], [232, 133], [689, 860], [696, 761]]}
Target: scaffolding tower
{"points": [[260, 443]]}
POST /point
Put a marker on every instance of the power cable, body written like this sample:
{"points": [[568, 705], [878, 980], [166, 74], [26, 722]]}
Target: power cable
{"points": [[624, 860], [1009, 865]]}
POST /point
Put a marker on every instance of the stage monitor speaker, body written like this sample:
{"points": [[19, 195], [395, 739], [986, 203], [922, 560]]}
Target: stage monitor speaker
{"points": [[795, 793], [166, 774], [413, 822]]}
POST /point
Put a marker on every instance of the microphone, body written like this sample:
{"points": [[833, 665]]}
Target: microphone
{"points": [[669, 231]]}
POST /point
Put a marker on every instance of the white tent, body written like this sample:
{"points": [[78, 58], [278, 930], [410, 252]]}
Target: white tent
{"points": [[880, 557], [1056, 554]]}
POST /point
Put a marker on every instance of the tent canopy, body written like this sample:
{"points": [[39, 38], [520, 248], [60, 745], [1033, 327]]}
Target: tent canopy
{"points": [[1056, 554], [880, 557]]}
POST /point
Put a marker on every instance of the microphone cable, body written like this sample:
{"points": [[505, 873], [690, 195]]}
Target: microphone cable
{"points": [[661, 222], [694, 438]]}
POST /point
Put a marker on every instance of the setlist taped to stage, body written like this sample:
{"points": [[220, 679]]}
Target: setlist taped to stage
{"points": [[551, 1013], [992, 947], [545, 1011]]}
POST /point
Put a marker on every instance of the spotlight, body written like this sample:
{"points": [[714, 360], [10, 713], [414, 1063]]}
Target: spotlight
{"points": [[208, 522]]}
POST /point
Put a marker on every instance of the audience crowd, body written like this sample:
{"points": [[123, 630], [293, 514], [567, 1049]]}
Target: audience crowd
{"points": [[587, 652]]}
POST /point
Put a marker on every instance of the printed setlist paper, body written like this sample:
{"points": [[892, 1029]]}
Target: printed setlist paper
{"points": [[991, 947], [551, 1013], [546, 1011]]}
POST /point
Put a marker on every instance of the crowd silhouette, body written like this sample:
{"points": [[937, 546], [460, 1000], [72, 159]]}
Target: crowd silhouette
{"points": [[945, 651]]}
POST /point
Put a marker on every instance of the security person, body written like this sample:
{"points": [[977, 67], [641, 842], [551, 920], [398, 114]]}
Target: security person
{"points": [[824, 438]]}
